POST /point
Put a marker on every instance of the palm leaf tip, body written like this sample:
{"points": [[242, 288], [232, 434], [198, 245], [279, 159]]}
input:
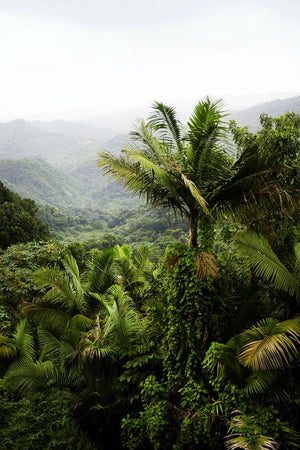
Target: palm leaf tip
{"points": [[164, 120]]}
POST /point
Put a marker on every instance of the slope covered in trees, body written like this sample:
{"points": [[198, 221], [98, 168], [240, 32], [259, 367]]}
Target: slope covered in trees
{"points": [[274, 108], [45, 184], [71, 149]]}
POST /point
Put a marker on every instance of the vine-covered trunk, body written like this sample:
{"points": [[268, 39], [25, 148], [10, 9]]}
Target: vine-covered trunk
{"points": [[206, 232], [193, 225]]}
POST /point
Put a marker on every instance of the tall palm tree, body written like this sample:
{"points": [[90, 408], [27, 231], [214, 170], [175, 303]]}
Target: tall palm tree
{"points": [[193, 171], [174, 167]]}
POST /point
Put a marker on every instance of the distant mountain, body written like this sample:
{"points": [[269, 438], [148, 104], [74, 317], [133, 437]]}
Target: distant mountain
{"points": [[73, 129], [63, 144], [55, 162], [275, 108], [122, 121]]}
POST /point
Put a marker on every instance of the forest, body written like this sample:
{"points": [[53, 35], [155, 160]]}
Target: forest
{"points": [[179, 328]]}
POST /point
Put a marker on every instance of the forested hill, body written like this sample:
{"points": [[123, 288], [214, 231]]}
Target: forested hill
{"points": [[83, 186], [39, 180], [275, 108], [58, 142], [55, 162]]}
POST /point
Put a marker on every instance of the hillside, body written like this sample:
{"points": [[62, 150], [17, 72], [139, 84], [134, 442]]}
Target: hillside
{"points": [[37, 179], [63, 144], [55, 162], [275, 108]]}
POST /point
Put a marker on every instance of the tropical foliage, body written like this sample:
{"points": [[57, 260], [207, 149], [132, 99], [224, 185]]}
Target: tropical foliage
{"points": [[111, 346]]}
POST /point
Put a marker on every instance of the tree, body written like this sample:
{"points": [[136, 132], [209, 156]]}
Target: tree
{"points": [[193, 171], [272, 155], [65, 302], [18, 219], [172, 167], [121, 266]]}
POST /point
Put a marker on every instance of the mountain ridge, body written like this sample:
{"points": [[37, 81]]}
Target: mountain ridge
{"points": [[55, 162]]}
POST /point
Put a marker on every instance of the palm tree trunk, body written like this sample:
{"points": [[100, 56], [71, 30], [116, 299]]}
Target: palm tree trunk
{"points": [[193, 225]]}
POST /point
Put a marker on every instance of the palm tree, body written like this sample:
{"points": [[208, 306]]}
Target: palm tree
{"points": [[65, 301], [173, 167], [19, 346], [193, 171], [121, 266]]}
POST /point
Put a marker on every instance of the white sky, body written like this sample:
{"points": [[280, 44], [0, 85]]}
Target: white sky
{"points": [[77, 57]]}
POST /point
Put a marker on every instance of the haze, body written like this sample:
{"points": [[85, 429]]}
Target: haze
{"points": [[73, 58]]}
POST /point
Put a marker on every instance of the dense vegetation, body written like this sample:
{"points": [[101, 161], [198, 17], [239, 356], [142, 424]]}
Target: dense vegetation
{"points": [[106, 346], [18, 219]]}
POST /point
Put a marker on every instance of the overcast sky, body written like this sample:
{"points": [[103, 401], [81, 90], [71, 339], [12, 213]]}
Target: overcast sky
{"points": [[77, 57]]}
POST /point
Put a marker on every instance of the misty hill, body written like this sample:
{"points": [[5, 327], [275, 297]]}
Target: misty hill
{"points": [[73, 129], [84, 187], [122, 120], [55, 162], [275, 108], [37, 179], [61, 143]]}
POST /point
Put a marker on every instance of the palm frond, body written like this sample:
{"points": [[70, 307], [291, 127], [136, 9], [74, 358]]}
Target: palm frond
{"points": [[236, 439], [271, 344], [140, 182], [24, 340], [195, 193], [81, 322], [258, 383], [164, 120], [60, 290], [94, 345], [8, 348], [70, 378], [151, 146], [102, 299], [101, 276], [45, 312], [265, 263], [124, 326], [149, 166], [70, 264], [297, 255], [58, 351], [28, 377]]}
